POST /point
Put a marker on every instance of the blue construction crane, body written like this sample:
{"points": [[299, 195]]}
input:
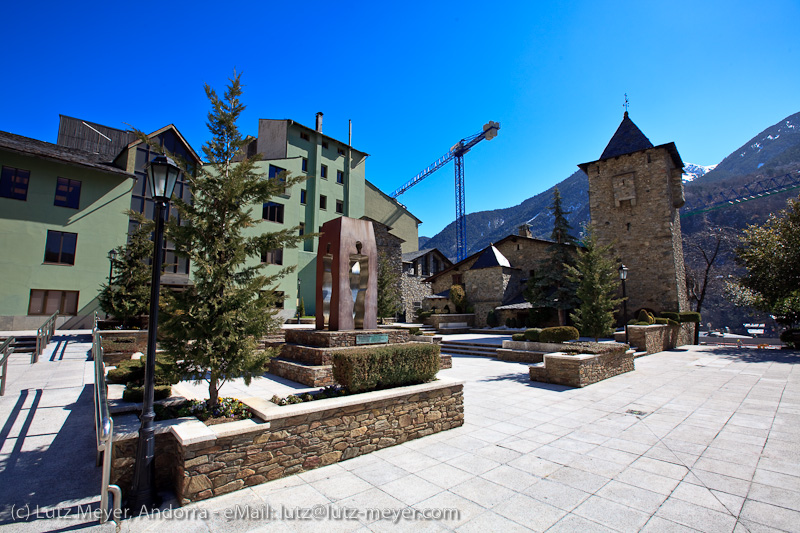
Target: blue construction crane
{"points": [[457, 152]]}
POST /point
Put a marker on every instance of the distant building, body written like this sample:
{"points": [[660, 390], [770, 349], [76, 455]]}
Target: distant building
{"points": [[417, 266]]}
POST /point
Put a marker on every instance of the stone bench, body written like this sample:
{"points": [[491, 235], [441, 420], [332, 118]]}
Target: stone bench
{"points": [[454, 327]]}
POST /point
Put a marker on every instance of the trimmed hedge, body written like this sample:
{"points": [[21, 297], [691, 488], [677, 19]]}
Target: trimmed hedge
{"points": [[532, 334], [559, 334], [518, 337], [491, 320], [383, 367], [791, 337], [646, 316], [132, 371], [685, 316], [136, 394]]}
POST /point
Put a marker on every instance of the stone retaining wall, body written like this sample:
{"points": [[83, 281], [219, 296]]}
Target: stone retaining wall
{"points": [[126, 342], [660, 337], [580, 370], [445, 318], [200, 461]]}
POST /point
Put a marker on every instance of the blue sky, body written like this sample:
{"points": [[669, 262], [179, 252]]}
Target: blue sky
{"points": [[416, 77]]}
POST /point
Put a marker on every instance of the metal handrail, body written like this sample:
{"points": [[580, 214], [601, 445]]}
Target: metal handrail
{"points": [[104, 426], [6, 349], [43, 336]]}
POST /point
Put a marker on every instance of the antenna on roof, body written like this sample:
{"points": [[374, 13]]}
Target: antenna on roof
{"points": [[627, 104], [97, 132]]}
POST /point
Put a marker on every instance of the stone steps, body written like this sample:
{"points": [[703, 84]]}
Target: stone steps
{"points": [[23, 344], [469, 348]]}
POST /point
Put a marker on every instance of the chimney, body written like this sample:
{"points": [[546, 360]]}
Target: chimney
{"points": [[319, 122], [525, 231]]}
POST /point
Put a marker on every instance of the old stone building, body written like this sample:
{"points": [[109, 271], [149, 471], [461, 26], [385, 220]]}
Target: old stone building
{"points": [[417, 267], [494, 277], [635, 191]]}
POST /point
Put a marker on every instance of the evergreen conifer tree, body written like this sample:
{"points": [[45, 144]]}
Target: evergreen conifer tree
{"points": [[388, 286], [551, 286], [211, 329], [597, 282], [128, 296]]}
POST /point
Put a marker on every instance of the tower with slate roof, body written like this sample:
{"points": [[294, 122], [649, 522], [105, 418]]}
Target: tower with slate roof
{"points": [[635, 192]]}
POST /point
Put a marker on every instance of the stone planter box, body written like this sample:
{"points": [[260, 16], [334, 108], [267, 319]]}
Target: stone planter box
{"points": [[199, 461], [580, 370], [120, 344], [660, 337]]}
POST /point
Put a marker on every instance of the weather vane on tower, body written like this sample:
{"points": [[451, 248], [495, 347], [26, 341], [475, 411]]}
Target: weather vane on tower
{"points": [[627, 104]]}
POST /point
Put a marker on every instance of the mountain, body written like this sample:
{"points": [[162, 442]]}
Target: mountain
{"points": [[766, 153], [485, 227], [773, 152], [691, 171]]}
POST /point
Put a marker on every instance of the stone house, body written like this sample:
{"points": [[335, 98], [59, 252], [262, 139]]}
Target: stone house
{"points": [[417, 266], [493, 278]]}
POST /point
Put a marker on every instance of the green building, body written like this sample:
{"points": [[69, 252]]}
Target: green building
{"points": [[100, 172], [335, 186], [61, 211]]}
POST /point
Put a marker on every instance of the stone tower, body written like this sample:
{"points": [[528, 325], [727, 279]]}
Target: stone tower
{"points": [[635, 191]]}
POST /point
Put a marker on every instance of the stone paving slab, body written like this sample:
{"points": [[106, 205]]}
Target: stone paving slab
{"points": [[700, 438]]}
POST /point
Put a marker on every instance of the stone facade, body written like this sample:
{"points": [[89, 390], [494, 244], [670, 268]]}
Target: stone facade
{"points": [[417, 267], [634, 200], [580, 370], [414, 290], [200, 462]]}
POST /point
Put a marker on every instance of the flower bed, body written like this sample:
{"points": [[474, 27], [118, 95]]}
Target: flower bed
{"points": [[199, 461]]}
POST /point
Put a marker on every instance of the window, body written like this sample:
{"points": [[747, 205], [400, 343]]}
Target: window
{"points": [[303, 196], [323, 201], [340, 206], [305, 136], [68, 193], [339, 176], [456, 279], [325, 144], [14, 183], [273, 257], [273, 212], [302, 229], [324, 172], [275, 173], [46, 302], [341, 151], [60, 247], [305, 164]]}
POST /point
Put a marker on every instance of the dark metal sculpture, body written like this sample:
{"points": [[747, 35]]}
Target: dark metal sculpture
{"points": [[347, 276]]}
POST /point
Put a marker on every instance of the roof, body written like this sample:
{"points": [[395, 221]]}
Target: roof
{"points": [[393, 200], [62, 154], [490, 257], [629, 139], [410, 256], [162, 130], [512, 237]]}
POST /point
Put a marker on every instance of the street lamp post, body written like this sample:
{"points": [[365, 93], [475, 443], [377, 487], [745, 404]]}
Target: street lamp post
{"points": [[112, 255], [623, 275], [162, 174]]}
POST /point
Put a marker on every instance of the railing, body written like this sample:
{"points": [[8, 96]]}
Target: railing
{"points": [[104, 426], [6, 349], [43, 336]]}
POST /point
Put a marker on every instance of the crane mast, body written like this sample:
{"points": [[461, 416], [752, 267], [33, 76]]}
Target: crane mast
{"points": [[457, 152]]}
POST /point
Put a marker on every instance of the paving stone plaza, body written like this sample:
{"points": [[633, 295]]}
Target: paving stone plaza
{"points": [[699, 438]]}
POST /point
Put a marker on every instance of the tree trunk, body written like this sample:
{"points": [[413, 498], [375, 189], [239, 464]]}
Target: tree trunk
{"points": [[213, 391]]}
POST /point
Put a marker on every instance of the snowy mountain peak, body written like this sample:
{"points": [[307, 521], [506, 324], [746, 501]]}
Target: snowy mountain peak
{"points": [[691, 171]]}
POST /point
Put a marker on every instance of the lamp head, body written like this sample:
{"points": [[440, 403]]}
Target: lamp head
{"points": [[162, 174]]}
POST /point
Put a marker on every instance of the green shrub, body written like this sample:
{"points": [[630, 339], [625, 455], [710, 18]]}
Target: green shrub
{"points": [[689, 316], [365, 369], [413, 331], [422, 315], [671, 315], [508, 322], [135, 394], [791, 337], [559, 334], [638, 323], [492, 320], [513, 322], [518, 337], [660, 320], [532, 334], [646, 316], [132, 371]]}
